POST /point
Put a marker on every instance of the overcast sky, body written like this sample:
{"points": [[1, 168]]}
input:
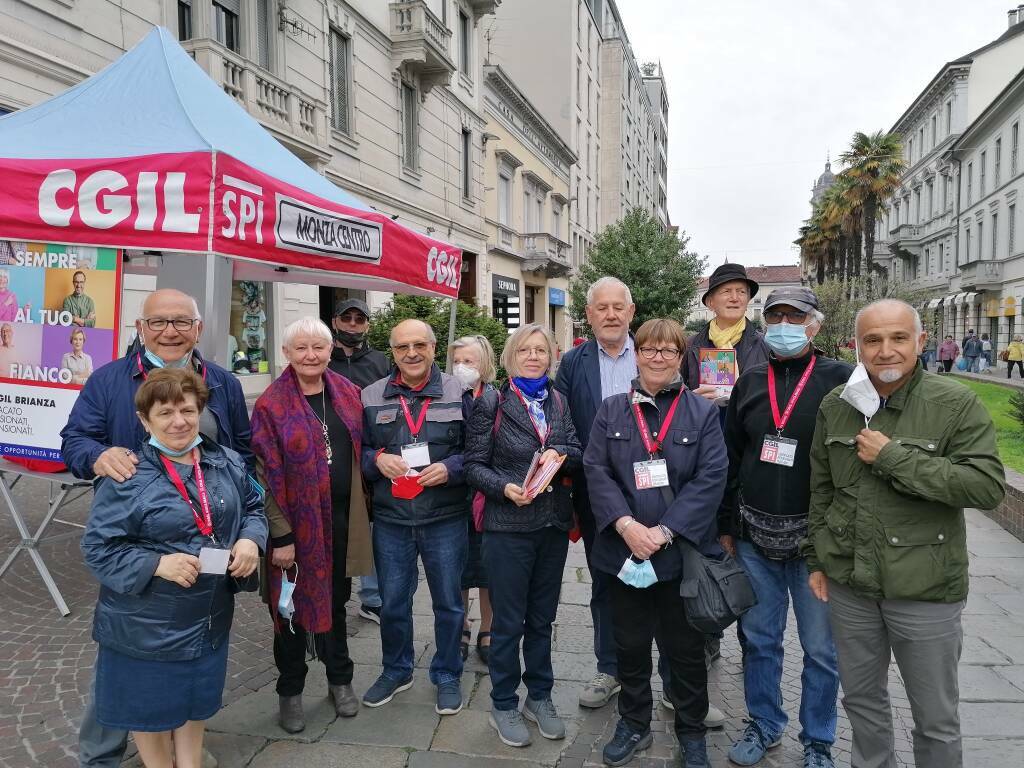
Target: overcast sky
{"points": [[759, 92]]}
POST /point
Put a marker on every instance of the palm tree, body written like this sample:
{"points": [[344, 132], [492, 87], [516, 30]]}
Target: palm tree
{"points": [[874, 164], [842, 217]]}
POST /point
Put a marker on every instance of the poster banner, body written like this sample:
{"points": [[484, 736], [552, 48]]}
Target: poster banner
{"points": [[60, 308]]}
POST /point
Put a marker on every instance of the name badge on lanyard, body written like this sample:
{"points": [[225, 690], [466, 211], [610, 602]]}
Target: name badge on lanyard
{"points": [[416, 454], [203, 516], [654, 472], [777, 449]]}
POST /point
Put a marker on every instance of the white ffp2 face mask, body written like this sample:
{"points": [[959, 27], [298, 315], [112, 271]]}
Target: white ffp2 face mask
{"points": [[860, 392]]}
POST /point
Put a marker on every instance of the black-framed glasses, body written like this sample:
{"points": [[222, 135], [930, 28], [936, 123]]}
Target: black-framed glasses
{"points": [[178, 323], [667, 353], [795, 316]]}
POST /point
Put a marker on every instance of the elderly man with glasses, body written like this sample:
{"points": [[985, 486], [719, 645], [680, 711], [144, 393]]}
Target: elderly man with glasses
{"points": [[769, 427], [103, 432], [413, 435]]}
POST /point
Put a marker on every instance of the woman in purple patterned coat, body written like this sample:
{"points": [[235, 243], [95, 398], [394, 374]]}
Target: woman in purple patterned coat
{"points": [[307, 435]]}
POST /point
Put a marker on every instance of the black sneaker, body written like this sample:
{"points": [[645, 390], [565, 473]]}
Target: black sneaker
{"points": [[625, 743], [370, 612]]}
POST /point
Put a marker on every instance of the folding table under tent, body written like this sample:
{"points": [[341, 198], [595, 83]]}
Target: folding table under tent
{"points": [[151, 154]]}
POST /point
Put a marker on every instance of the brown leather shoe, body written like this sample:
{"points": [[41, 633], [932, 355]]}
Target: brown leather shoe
{"points": [[345, 702], [292, 718]]}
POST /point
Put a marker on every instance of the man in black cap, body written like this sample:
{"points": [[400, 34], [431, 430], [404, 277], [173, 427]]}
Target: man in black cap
{"points": [[768, 429], [728, 294], [353, 358]]}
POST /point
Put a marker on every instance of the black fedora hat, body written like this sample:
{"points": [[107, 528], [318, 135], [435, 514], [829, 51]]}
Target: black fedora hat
{"points": [[728, 273]]}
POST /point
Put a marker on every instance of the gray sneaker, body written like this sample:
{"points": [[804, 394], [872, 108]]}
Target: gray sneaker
{"points": [[544, 714], [599, 691], [510, 726]]}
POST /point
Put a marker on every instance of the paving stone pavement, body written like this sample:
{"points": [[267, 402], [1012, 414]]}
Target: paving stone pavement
{"points": [[46, 667]]}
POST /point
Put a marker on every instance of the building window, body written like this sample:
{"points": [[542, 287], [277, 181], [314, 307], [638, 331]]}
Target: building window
{"points": [[910, 151], [967, 244], [556, 220], [947, 186], [997, 171], [444, 13], [410, 128], [935, 135], [931, 199], [920, 142], [339, 81], [263, 33], [184, 19], [527, 207], [949, 117], [1014, 134], [504, 197], [981, 240], [1011, 226], [248, 343], [970, 181], [225, 23], [917, 206], [995, 234], [927, 261], [982, 162], [940, 265], [465, 41], [467, 164]]}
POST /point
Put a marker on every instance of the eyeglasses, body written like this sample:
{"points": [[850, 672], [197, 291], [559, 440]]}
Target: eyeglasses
{"points": [[532, 352], [179, 323], [419, 347], [795, 316], [649, 353]]}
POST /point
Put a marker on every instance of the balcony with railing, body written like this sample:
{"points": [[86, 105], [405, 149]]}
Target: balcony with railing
{"points": [[294, 116], [421, 42], [544, 251], [981, 275]]}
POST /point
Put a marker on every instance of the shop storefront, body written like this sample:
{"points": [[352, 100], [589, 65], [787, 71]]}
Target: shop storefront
{"points": [[505, 301]]}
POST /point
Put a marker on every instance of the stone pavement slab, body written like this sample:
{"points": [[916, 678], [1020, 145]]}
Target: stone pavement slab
{"points": [[286, 755]]}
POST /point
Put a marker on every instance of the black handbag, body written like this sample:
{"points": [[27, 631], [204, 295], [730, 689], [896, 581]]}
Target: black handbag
{"points": [[715, 591]]}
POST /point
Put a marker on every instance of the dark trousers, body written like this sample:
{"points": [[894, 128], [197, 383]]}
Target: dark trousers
{"points": [[600, 599], [1009, 367], [525, 574], [641, 616], [947, 364]]}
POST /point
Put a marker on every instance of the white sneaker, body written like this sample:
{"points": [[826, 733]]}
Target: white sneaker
{"points": [[715, 718]]}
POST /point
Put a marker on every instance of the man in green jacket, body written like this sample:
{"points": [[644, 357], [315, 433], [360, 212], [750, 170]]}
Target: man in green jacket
{"points": [[886, 544]]}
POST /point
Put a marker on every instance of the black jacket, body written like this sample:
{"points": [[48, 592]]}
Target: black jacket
{"points": [[494, 460], [750, 351], [697, 465], [362, 367], [773, 489]]}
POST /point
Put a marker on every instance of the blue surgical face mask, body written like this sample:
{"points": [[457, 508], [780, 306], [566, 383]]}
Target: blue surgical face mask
{"points": [[285, 604], [164, 449], [158, 361], [786, 340], [640, 575]]}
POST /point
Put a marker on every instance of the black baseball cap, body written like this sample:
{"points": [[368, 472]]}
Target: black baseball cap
{"points": [[345, 305], [799, 297]]}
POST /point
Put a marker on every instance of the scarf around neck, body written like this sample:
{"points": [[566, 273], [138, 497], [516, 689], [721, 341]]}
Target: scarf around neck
{"points": [[534, 392], [288, 438], [726, 338]]}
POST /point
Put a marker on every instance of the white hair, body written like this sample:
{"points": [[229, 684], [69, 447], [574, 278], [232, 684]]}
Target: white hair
{"points": [[817, 316], [608, 282], [918, 326], [306, 326]]}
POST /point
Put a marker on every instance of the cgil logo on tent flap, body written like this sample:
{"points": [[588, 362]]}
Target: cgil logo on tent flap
{"points": [[304, 228]]}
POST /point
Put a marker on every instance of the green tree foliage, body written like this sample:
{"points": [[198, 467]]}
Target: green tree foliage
{"points": [[840, 301], [1016, 407], [469, 320], [661, 274]]}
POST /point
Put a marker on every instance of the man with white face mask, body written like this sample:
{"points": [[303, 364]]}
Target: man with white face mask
{"points": [[886, 544]]}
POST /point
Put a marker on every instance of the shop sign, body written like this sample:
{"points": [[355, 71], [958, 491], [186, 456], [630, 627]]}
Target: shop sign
{"points": [[504, 286], [556, 297]]}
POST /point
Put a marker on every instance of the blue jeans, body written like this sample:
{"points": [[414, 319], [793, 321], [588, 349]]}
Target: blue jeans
{"points": [[369, 592], [442, 547], [765, 626], [525, 573]]}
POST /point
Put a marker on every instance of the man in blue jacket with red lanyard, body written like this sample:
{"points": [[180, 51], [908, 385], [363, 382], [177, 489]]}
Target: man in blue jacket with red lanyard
{"points": [[103, 432]]}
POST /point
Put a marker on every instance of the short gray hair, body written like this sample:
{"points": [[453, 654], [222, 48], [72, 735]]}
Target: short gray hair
{"points": [[519, 336], [918, 325], [485, 352], [306, 326], [431, 337], [607, 282]]}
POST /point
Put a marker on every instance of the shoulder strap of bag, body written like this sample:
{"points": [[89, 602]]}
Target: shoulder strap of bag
{"points": [[497, 415]]}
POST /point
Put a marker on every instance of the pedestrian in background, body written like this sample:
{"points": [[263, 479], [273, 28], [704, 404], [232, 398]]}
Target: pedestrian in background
{"points": [[948, 352], [986, 354], [525, 536], [474, 366], [414, 428], [307, 436], [896, 457], [972, 352], [162, 620], [353, 358], [656, 468], [768, 431], [1015, 354]]}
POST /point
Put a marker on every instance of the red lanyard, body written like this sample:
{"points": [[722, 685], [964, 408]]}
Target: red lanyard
{"points": [[204, 521], [414, 429], [536, 426], [138, 362], [652, 445], [781, 421]]}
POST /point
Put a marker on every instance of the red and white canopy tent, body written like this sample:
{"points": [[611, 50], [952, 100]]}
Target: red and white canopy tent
{"points": [[150, 153]]}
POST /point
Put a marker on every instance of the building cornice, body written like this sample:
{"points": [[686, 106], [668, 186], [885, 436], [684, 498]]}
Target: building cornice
{"points": [[1008, 97], [948, 76]]}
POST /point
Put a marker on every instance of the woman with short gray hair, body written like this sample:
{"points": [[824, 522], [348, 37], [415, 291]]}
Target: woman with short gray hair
{"points": [[524, 425], [306, 433]]}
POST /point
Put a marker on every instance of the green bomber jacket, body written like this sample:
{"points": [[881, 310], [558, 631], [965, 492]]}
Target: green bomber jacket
{"points": [[895, 529]]}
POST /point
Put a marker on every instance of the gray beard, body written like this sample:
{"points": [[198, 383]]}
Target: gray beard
{"points": [[888, 376]]}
